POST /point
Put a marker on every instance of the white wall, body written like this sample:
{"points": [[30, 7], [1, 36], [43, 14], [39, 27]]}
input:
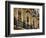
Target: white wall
{"points": [[2, 19]]}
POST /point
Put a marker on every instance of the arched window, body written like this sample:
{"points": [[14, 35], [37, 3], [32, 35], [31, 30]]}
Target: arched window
{"points": [[27, 19]]}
